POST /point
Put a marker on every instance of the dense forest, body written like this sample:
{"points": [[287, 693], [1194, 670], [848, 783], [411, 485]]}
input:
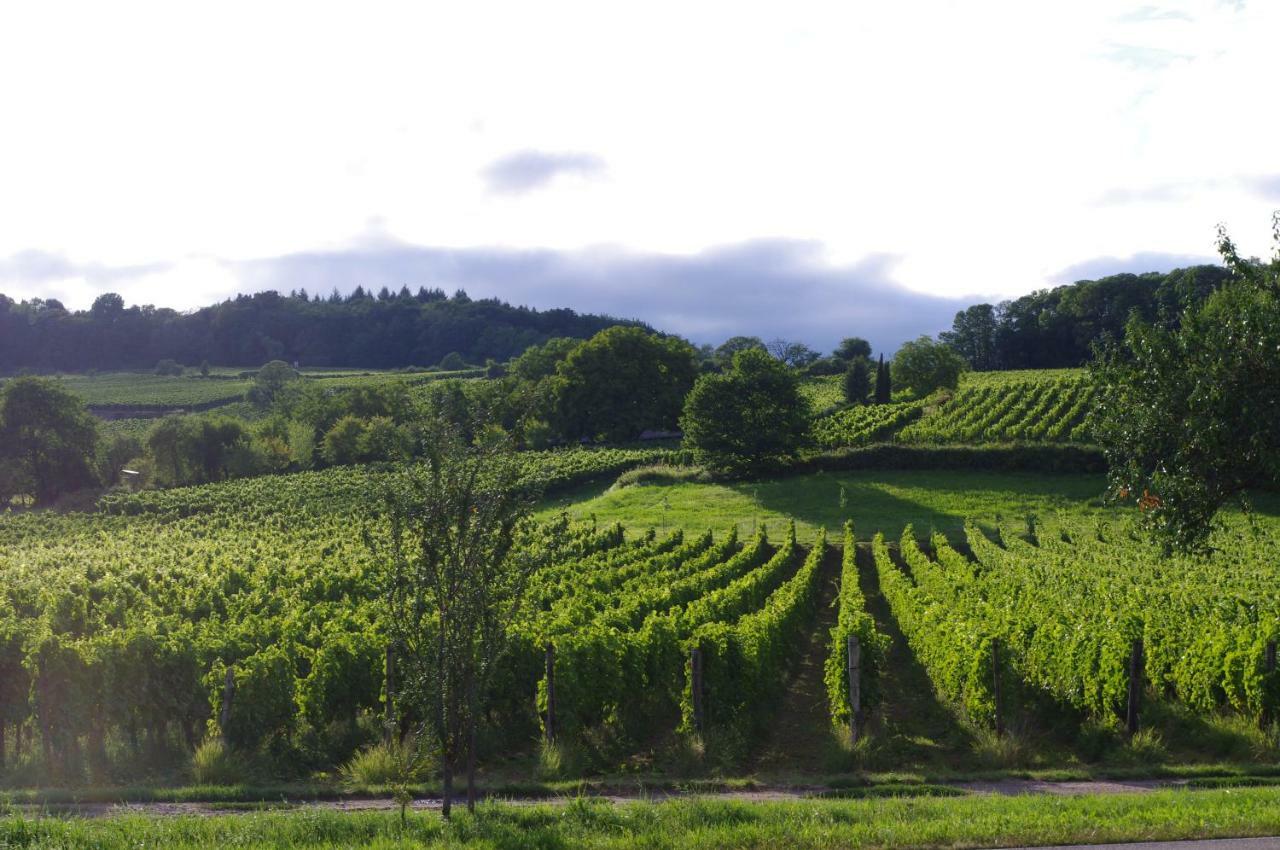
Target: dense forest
{"points": [[1050, 328], [386, 330], [1056, 328]]}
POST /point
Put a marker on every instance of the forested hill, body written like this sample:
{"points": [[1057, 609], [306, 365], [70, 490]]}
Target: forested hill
{"points": [[1056, 328], [386, 330]]}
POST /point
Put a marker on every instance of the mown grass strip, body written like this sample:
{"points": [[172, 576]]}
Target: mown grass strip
{"points": [[702, 823]]}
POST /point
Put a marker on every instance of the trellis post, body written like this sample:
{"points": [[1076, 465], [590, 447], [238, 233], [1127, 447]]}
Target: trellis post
{"points": [[855, 688], [1135, 686]]}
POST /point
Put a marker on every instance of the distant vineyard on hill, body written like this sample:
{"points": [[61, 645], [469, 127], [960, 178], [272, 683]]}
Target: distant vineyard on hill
{"points": [[1047, 406]]}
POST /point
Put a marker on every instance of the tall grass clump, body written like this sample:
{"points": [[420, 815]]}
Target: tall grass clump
{"points": [[386, 764], [214, 763]]}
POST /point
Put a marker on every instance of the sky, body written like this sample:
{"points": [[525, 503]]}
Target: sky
{"points": [[805, 170]]}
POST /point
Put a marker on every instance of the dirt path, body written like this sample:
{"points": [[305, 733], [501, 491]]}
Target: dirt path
{"points": [[799, 738], [1008, 787]]}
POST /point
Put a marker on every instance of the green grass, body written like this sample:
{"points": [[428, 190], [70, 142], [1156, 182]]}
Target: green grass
{"points": [[875, 501], [700, 823]]}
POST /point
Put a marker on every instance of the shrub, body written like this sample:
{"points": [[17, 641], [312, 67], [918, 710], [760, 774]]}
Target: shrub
{"points": [[387, 764], [213, 763], [169, 367], [342, 443], [661, 473]]}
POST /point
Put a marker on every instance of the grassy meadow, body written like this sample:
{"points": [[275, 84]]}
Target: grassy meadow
{"points": [[979, 821]]}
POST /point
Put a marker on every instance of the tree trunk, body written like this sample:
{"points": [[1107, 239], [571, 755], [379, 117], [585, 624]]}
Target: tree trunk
{"points": [[446, 732], [471, 763], [2, 743], [446, 805]]}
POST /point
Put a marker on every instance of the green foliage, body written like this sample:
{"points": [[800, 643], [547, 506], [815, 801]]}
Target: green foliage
{"points": [[750, 417], [863, 425], [620, 382], [199, 449], [263, 705], [852, 348], [857, 381], [213, 763], [540, 361], [269, 382], [973, 335], [169, 367], [1035, 407], [661, 474], [952, 642], [1188, 416], [852, 620], [923, 366], [452, 362], [382, 765], [1057, 328], [884, 383], [47, 440], [342, 443], [124, 621], [726, 351], [745, 661]]}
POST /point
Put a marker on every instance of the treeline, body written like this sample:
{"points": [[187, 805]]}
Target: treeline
{"points": [[1057, 328], [382, 331]]}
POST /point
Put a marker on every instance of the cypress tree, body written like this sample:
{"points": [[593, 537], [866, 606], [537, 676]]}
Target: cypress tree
{"points": [[884, 390]]}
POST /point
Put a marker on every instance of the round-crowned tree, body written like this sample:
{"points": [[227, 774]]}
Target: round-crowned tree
{"points": [[47, 440], [1188, 415], [620, 382], [924, 365], [749, 418]]}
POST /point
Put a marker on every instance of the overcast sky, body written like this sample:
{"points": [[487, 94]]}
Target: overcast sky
{"points": [[805, 169]]}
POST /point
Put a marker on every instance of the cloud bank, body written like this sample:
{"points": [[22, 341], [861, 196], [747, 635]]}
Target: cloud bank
{"points": [[525, 171]]}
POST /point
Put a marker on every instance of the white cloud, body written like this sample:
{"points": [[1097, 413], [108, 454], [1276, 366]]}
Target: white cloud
{"points": [[972, 141]]}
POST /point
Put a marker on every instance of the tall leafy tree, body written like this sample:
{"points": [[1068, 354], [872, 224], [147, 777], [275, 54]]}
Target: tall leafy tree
{"points": [[1188, 414], [857, 381], [620, 382], [851, 348], [270, 382], [457, 569], [924, 365], [734, 344], [973, 336], [47, 439], [795, 354], [748, 418]]}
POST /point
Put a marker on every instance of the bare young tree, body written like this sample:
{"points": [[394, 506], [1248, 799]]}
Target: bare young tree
{"points": [[459, 560]]}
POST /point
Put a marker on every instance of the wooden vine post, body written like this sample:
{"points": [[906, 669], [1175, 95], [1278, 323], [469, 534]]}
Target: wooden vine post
{"points": [[1135, 686], [695, 683], [854, 663], [550, 719], [228, 694]]}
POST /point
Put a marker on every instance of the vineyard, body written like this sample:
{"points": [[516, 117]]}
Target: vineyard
{"points": [[120, 629], [996, 407], [221, 387], [1080, 613]]}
